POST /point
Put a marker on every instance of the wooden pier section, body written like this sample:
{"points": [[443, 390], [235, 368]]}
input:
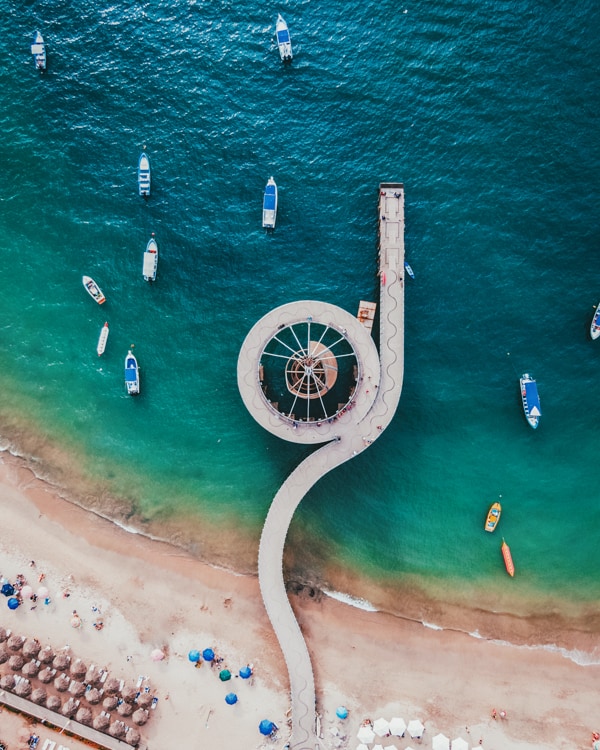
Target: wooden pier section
{"points": [[366, 314]]}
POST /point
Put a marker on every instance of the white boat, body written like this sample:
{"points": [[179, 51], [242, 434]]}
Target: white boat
{"points": [[102, 340], [144, 175], [283, 39], [93, 290], [150, 260], [132, 374], [38, 50], [269, 214], [409, 270], [595, 326], [530, 399]]}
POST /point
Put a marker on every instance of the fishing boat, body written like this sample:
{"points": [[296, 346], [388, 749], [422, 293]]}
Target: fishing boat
{"points": [[508, 561], [409, 270], [493, 517], [269, 214], [132, 374], [530, 399], [93, 290], [283, 39], [102, 340], [38, 50], [595, 326], [150, 260], [144, 175]]}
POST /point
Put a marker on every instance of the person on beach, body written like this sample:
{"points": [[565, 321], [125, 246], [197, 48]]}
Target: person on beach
{"points": [[494, 714]]}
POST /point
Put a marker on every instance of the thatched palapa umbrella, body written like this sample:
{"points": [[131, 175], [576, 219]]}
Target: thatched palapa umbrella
{"points": [[93, 676], [140, 717], [93, 696], [117, 729], [78, 669], [46, 675], [31, 648], [145, 700], [77, 689], [101, 722], [61, 661], [112, 686], [4, 654], [125, 709], [23, 689], [84, 716], [129, 693], [3, 634], [61, 683], [53, 703], [69, 708], [46, 655], [110, 702], [133, 737], [31, 669], [7, 682], [15, 642], [39, 696], [16, 662]]}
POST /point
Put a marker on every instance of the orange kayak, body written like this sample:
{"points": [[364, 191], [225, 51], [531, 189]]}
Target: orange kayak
{"points": [[508, 561]]}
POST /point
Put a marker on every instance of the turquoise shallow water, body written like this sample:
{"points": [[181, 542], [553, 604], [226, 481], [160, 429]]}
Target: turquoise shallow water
{"points": [[488, 114]]}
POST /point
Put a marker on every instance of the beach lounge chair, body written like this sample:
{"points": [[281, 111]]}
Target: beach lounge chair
{"points": [[104, 675], [154, 702], [48, 744]]}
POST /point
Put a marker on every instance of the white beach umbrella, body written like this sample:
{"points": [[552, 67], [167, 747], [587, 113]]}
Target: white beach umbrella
{"points": [[397, 726], [365, 734], [440, 742], [381, 727], [377, 747], [362, 746], [390, 747], [459, 744], [415, 728]]}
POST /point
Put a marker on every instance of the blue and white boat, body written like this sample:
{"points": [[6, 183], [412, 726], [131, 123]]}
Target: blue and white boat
{"points": [[132, 374], [38, 50], [283, 39], [595, 326], [144, 175], [409, 270], [530, 399], [269, 215], [150, 260]]}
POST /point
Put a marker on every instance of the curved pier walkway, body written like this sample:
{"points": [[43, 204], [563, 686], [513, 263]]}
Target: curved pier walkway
{"points": [[376, 399]]}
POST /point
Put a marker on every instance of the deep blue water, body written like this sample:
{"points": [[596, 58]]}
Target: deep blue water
{"points": [[486, 111]]}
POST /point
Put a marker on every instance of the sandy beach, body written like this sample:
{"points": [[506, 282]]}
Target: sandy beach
{"points": [[150, 595]]}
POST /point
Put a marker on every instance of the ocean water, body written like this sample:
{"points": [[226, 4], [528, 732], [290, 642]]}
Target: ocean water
{"points": [[486, 111]]}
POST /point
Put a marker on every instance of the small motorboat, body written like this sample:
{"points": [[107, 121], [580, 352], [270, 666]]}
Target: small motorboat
{"points": [[530, 399], [283, 39], [102, 340], [409, 270], [38, 50], [150, 260], [93, 290], [508, 561], [132, 374], [493, 517], [144, 175], [595, 326], [269, 214]]}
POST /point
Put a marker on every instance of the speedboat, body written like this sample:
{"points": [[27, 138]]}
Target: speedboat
{"points": [[150, 260], [595, 326], [93, 290], [270, 205], [144, 175], [493, 517], [283, 39], [132, 374], [102, 339], [530, 399], [38, 50]]}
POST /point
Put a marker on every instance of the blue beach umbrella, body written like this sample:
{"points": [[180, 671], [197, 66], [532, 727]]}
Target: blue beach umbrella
{"points": [[13, 603], [231, 698], [266, 727], [341, 712], [7, 589], [208, 654], [194, 655], [245, 673]]}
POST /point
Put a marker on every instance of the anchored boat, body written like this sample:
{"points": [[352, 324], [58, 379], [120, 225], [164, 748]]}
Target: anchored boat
{"points": [[530, 399], [102, 339], [595, 326], [493, 517], [93, 290], [269, 215], [508, 561], [144, 175], [409, 270], [132, 374], [38, 50], [150, 260], [283, 39]]}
